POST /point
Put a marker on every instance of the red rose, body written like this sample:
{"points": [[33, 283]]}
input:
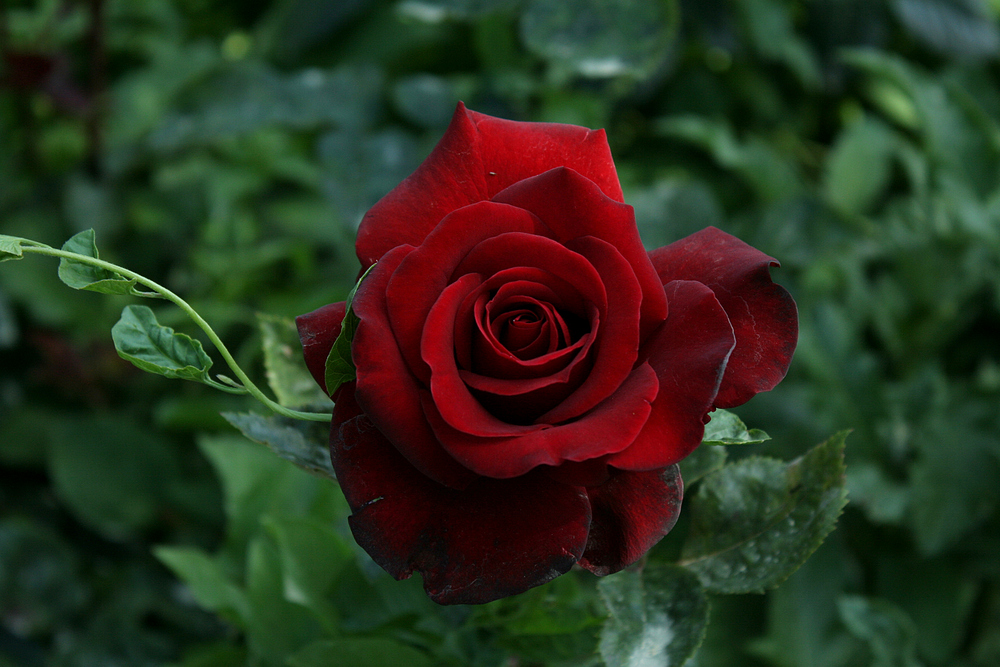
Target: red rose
{"points": [[528, 376]]}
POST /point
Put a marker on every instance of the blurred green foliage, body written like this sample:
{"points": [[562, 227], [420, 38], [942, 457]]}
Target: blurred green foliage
{"points": [[228, 151]]}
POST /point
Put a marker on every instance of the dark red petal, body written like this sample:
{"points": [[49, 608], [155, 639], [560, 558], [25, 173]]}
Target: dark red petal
{"points": [[617, 345], [426, 271], [572, 206], [607, 429], [531, 281], [494, 539], [763, 314], [631, 512], [477, 157], [455, 403], [318, 330], [689, 355], [513, 151], [386, 389]]}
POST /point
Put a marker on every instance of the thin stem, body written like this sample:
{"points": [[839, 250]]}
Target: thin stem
{"points": [[202, 324]]}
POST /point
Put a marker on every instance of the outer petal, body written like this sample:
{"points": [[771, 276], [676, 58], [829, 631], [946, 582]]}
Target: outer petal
{"points": [[494, 539], [386, 390], [689, 355], [571, 206], [632, 511], [318, 331], [763, 314], [477, 157]]}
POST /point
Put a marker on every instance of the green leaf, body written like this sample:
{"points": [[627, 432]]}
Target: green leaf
{"points": [[701, 462], [859, 165], [954, 27], [602, 38], [312, 559], [303, 443], [803, 625], [889, 632], [287, 374], [10, 248], [80, 275], [434, 11], [756, 521], [728, 429], [154, 348], [658, 617], [339, 365], [205, 579], [110, 472], [358, 653], [276, 627]]}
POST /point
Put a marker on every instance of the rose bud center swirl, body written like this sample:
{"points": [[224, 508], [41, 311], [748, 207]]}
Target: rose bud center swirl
{"points": [[528, 353]]}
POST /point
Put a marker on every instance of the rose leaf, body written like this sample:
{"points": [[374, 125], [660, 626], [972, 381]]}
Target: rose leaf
{"points": [[10, 248], [339, 365], [154, 348], [79, 275], [754, 522], [701, 462], [657, 616], [206, 580], [728, 429], [303, 443], [287, 374], [888, 630]]}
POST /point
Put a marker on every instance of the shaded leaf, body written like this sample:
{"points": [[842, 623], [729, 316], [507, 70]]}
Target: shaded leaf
{"points": [[657, 617], [312, 559], [10, 248], [434, 11], [154, 348], [756, 521], [701, 462], [726, 428], [205, 579], [110, 473], [358, 652], [602, 38], [78, 275], [303, 443], [859, 166], [887, 629], [276, 627], [960, 28], [287, 374]]}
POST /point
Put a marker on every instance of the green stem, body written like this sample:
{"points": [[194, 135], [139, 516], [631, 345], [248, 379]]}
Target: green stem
{"points": [[254, 391]]}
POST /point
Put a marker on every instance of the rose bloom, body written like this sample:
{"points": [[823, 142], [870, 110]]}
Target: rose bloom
{"points": [[528, 376]]}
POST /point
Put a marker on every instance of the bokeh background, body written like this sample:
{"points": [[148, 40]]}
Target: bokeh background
{"points": [[229, 149]]}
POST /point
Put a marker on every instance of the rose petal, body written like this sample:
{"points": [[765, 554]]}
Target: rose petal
{"points": [[386, 389], [689, 355], [631, 512], [571, 206], [425, 272], [617, 343], [456, 404], [494, 539], [607, 429], [477, 157], [318, 331], [593, 268], [762, 313]]}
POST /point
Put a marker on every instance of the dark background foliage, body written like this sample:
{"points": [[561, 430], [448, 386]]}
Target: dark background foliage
{"points": [[228, 150]]}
